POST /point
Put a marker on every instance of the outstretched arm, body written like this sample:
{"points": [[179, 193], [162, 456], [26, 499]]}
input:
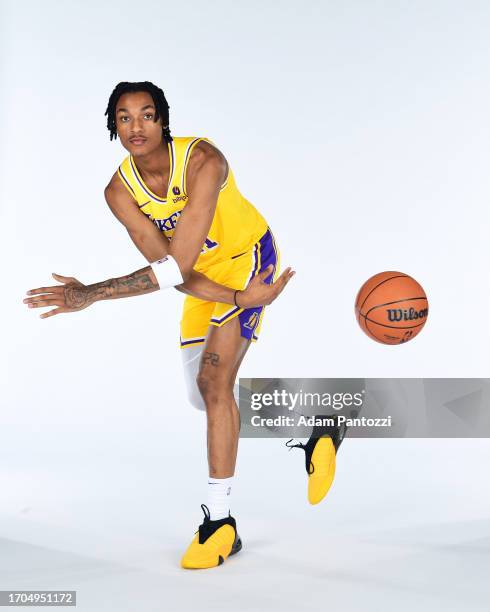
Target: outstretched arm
{"points": [[72, 295]]}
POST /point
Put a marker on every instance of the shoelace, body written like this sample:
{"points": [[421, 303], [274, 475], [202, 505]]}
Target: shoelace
{"points": [[310, 468], [207, 516], [207, 513], [291, 446]]}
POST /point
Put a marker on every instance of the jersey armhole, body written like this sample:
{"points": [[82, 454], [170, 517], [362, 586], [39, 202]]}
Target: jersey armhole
{"points": [[188, 156], [225, 182]]}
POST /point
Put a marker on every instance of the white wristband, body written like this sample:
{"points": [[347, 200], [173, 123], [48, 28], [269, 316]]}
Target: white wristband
{"points": [[167, 272]]}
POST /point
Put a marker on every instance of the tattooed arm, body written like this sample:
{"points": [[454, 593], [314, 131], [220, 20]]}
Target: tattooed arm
{"points": [[73, 295]]}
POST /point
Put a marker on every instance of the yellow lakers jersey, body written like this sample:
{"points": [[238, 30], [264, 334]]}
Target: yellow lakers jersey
{"points": [[237, 225]]}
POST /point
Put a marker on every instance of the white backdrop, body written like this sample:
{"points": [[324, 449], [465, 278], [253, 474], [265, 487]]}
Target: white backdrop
{"points": [[359, 129]]}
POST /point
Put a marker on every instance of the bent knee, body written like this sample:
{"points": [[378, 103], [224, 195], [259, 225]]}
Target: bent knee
{"points": [[213, 389]]}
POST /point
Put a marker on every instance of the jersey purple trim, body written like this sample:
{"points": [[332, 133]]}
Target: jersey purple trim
{"points": [[121, 174], [142, 185]]}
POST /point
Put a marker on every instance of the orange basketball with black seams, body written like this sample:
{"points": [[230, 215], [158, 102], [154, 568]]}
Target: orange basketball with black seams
{"points": [[391, 307]]}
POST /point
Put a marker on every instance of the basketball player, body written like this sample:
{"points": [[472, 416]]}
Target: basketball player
{"points": [[178, 200]]}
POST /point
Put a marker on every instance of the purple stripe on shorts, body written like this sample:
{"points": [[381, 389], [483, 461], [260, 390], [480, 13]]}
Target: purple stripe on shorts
{"points": [[227, 316], [250, 317], [193, 341]]}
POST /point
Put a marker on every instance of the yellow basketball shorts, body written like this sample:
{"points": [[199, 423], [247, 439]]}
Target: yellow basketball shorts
{"points": [[236, 273]]}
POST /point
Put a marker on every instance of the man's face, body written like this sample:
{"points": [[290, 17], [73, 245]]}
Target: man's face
{"points": [[135, 123]]}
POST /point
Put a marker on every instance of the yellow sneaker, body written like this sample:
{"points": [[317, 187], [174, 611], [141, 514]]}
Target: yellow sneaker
{"points": [[320, 459], [214, 542], [321, 469]]}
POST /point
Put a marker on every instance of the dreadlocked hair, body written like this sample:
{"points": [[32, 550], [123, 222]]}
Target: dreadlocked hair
{"points": [[159, 100]]}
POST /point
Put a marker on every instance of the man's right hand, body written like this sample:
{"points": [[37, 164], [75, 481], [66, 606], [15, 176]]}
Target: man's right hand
{"points": [[259, 293], [70, 296]]}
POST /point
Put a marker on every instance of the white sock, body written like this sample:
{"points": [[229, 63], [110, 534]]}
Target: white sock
{"points": [[219, 493]]}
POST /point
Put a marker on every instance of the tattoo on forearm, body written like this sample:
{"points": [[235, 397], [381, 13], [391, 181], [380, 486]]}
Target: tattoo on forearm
{"points": [[137, 283], [211, 358]]}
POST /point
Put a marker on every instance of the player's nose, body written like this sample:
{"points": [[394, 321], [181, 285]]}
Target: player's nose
{"points": [[137, 127]]}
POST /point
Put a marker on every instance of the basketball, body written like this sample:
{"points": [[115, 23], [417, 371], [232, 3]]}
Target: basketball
{"points": [[391, 307]]}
